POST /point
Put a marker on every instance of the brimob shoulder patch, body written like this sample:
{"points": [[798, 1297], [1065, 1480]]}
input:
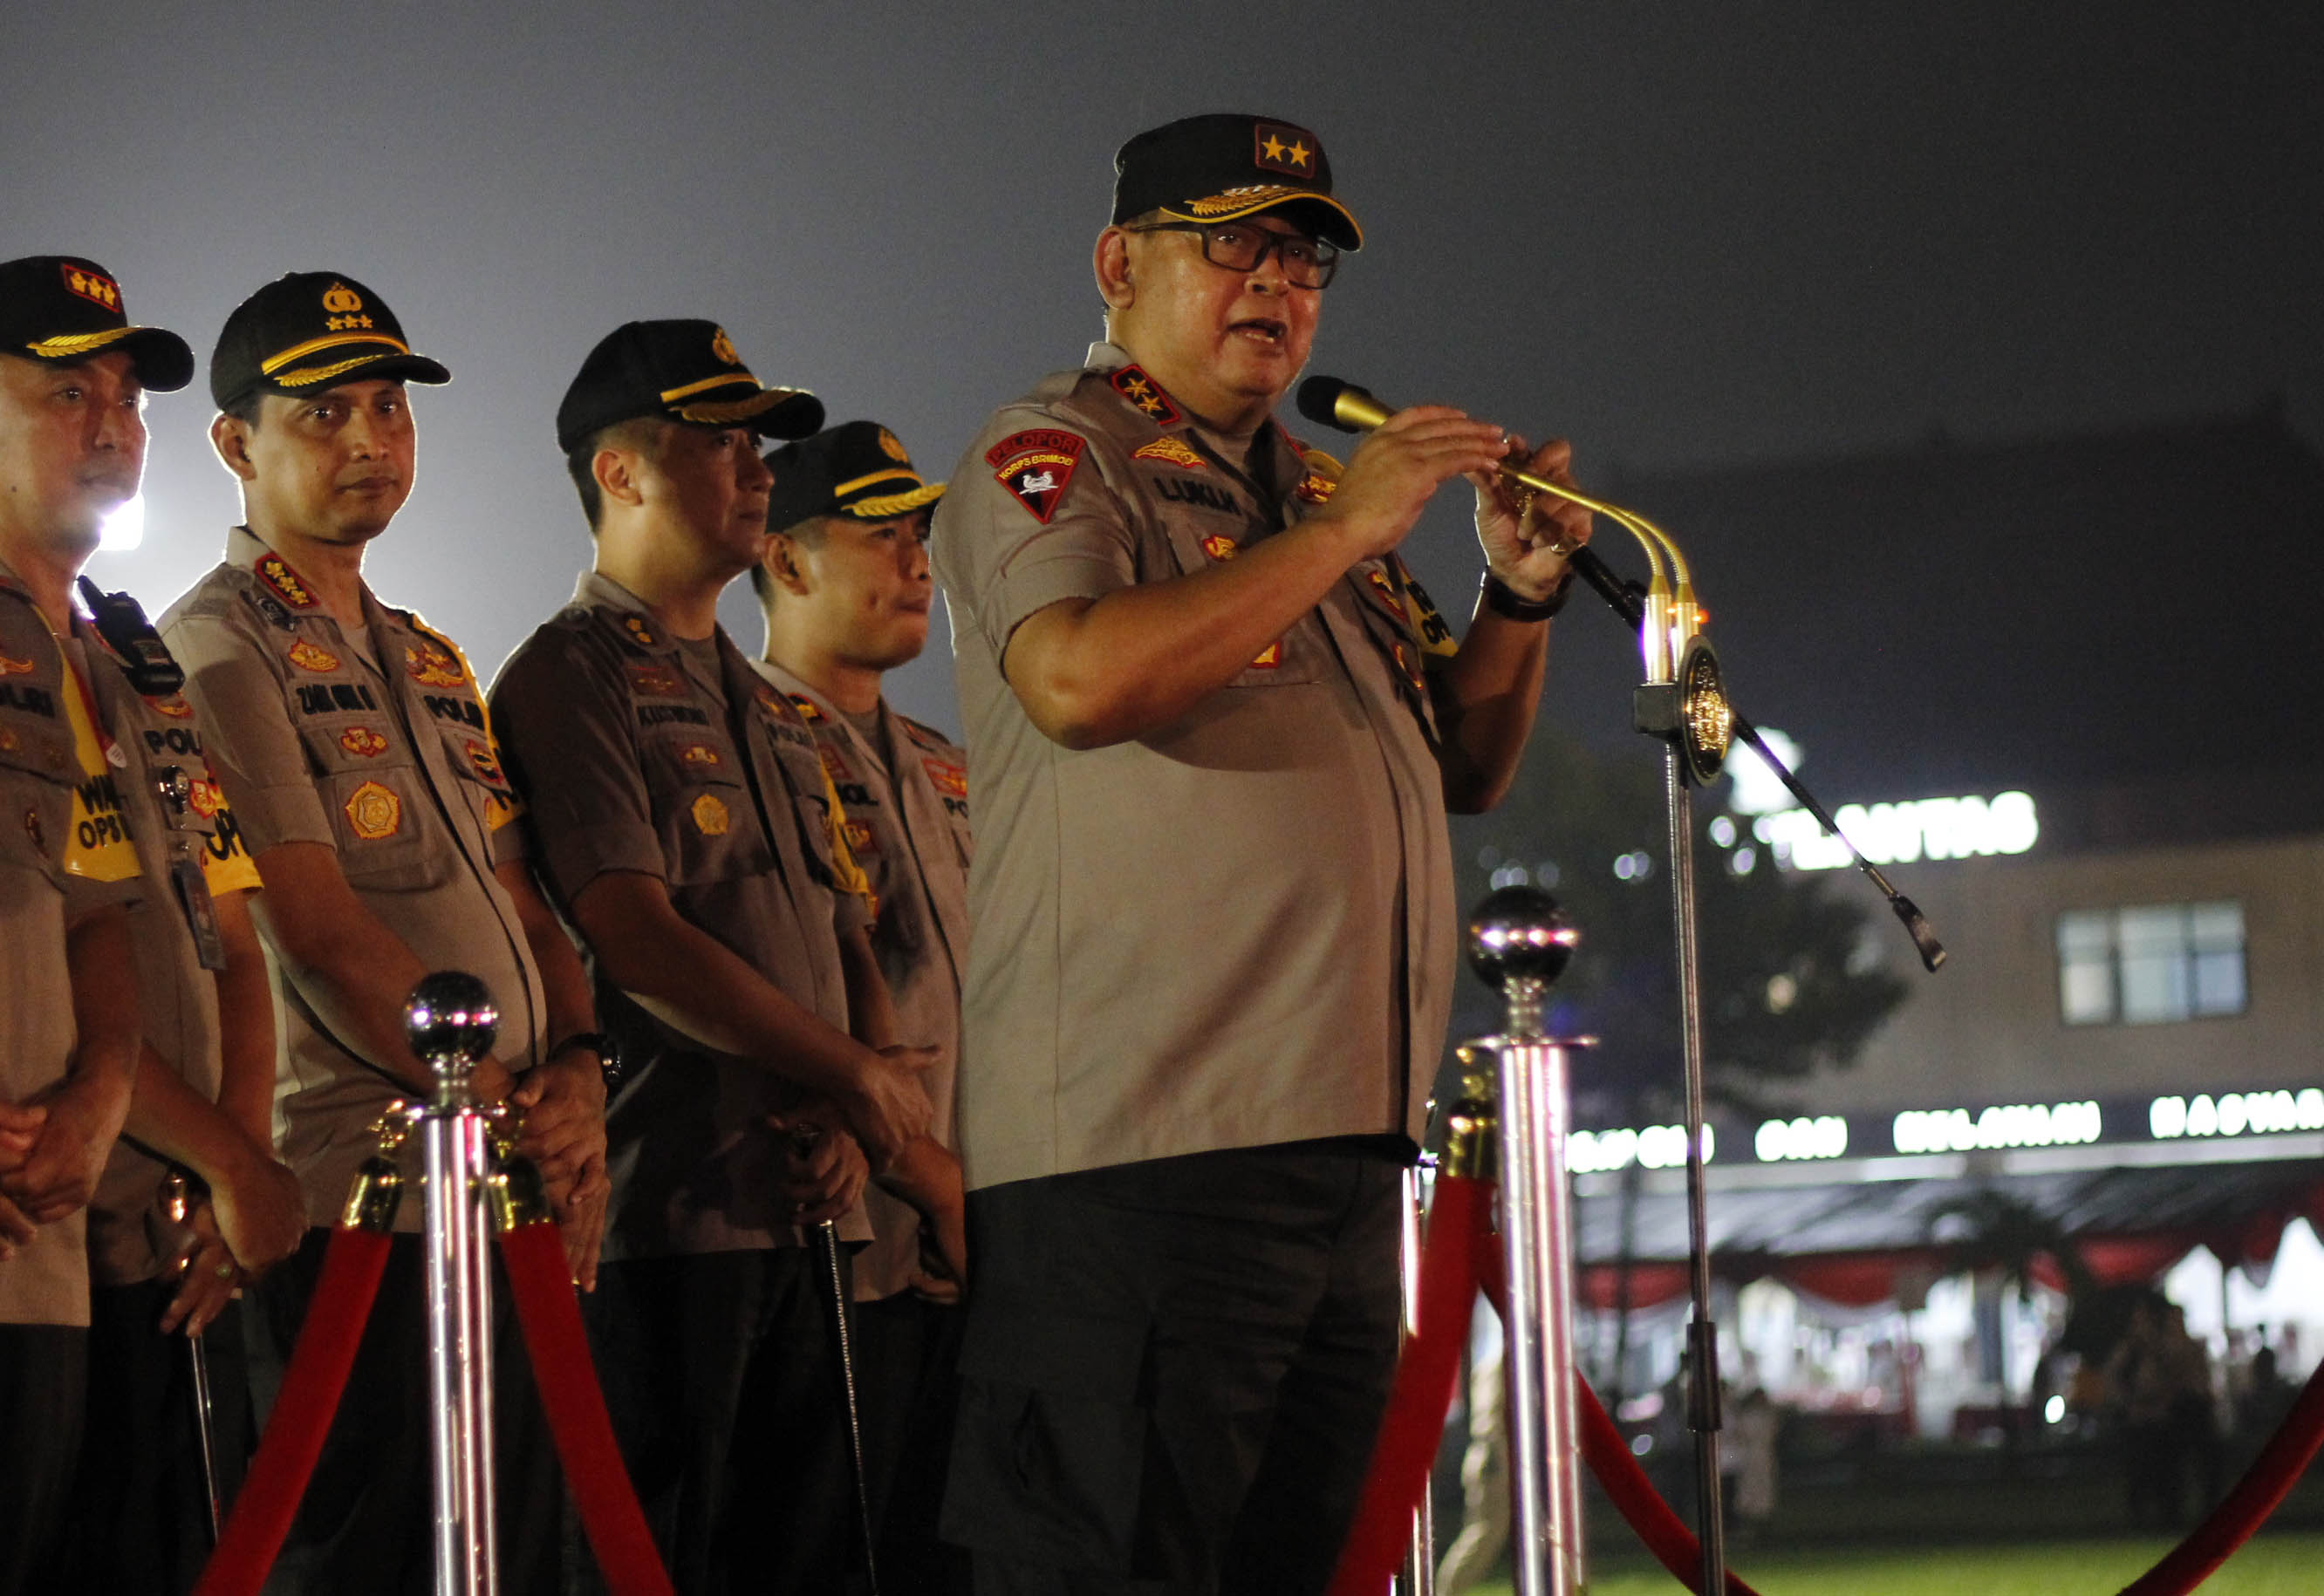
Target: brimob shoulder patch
{"points": [[1035, 465], [1175, 451]]}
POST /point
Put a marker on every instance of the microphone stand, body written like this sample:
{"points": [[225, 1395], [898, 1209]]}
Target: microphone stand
{"points": [[1683, 705]]}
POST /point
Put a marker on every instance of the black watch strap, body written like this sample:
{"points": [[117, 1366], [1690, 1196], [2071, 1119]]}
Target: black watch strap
{"points": [[609, 1057], [1505, 600]]}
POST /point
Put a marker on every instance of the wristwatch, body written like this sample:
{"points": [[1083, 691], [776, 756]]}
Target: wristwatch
{"points": [[608, 1051]]}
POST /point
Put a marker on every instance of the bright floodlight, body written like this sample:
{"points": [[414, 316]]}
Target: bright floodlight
{"points": [[1756, 788], [124, 528]]}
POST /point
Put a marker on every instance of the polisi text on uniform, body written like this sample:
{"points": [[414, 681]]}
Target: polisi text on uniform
{"points": [[35, 701], [460, 711]]}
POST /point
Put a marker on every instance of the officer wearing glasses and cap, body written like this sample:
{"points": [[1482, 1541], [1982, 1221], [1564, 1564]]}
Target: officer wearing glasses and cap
{"points": [[1215, 727], [692, 836], [845, 592], [352, 740]]}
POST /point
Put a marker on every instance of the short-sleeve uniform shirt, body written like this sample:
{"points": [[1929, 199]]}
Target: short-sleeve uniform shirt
{"points": [[190, 852], [376, 746], [57, 862], [638, 752], [904, 788], [1237, 930]]}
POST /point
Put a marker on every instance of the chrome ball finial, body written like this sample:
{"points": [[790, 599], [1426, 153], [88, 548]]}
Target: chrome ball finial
{"points": [[1518, 933], [451, 1021]]}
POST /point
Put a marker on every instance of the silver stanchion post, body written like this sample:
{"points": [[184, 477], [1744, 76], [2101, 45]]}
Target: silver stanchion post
{"points": [[451, 1022], [1418, 1576], [1520, 943]]}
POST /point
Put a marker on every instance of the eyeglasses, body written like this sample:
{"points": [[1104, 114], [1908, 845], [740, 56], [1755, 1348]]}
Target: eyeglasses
{"points": [[1238, 246]]}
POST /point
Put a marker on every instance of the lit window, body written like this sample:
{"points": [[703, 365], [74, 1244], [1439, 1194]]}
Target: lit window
{"points": [[2151, 965]]}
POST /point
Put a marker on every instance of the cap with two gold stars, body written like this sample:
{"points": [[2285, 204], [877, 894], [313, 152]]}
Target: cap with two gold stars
{"points": [[60, 309], [1221, 166], [308, 331], [680, 371]]}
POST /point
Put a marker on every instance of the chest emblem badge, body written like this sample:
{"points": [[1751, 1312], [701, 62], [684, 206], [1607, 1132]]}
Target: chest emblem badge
{"points": [[710, 815], [1173, 450], [375, 811], [432, 666], [308, 657]]}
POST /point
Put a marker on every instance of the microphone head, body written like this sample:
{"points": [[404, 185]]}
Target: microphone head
{"points": [[1334, 403]]}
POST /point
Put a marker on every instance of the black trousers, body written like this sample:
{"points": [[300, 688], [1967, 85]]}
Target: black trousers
{"points": [[139, 1522], [43, 1370], [907, 1358], [721, 1374], [1174, 1371], [367, 1523]]}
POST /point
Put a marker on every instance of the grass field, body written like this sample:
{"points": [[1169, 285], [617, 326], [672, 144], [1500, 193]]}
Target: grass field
{"points": [[2283, 1564]]}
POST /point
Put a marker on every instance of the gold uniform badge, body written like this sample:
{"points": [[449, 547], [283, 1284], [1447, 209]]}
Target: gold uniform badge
{"points": [[710, 815], [375, 811]]}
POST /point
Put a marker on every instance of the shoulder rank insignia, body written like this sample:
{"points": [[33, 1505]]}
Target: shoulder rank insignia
{"points": [[656, 681], [375, 811], [363, 742], [928, 737], [635, 624], [1036, 466], [308, 657], [1269, 657], [432, 666], [276, 574], [1219, 546], [1133, 384], [810, 710], [1173, 450]]}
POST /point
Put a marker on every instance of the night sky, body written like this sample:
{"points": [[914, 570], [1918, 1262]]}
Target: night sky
{"points": [[1689, 237]]}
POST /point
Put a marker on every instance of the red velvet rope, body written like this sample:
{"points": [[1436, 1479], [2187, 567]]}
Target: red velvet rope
{"points": [[252, 1534], [1425, 1381], [2261, 1490], [543, 1286]]}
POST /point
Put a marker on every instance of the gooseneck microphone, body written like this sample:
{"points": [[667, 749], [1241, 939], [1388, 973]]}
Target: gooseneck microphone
{"points": [[1331, 401]]}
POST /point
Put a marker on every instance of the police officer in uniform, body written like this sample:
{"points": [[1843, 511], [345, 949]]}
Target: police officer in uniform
{"points": [[689, 832], [1215, 729], [204, 1082], [846, 590], [353, 742], [73, 372]]}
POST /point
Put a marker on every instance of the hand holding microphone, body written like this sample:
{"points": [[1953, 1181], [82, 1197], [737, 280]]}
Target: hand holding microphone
{"points": [[1526, 539], [1410, 454]]}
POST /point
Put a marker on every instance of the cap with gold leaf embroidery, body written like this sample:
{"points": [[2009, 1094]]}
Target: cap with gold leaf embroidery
{"points": [[62, 308], [1218, 167], [680, 371], [858, 468], [308, 331]]}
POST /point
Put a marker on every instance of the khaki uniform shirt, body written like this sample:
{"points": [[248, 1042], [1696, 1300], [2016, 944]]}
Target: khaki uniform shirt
{"points": [[44, 886], [1237, 930], [189, 849], [906, 793], [638, 752], [376, 747]]}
